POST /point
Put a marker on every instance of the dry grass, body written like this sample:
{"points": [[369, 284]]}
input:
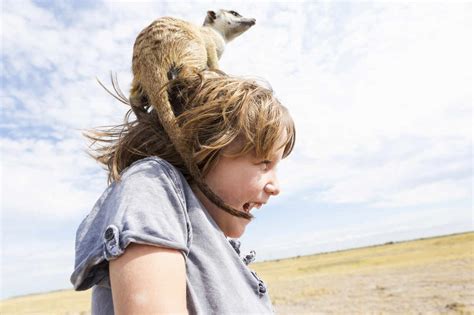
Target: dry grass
{"points": [[430, 276], [53, 303]]}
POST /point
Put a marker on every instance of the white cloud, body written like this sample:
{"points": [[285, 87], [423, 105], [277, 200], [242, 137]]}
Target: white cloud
{"points": [[48, 180], [385, 175], [409, 79], [431, 193]]}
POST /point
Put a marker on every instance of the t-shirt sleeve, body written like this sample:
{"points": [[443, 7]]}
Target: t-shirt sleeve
{"points": [[146, 206]]}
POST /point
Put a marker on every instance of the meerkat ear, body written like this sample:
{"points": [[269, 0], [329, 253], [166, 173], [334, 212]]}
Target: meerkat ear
{"points": [[210, 17]]}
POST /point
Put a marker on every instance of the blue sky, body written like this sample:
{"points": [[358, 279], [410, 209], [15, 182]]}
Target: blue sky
{"points": [[381, 93]]}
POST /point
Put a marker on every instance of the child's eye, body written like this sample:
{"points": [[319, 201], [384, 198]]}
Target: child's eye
{"points": [[266, 163]]}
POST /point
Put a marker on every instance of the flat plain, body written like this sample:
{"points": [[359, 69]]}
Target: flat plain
{"points": [[425, 276]]}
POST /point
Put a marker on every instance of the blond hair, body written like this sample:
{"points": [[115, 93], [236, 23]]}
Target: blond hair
{"points": [[212, 110]]}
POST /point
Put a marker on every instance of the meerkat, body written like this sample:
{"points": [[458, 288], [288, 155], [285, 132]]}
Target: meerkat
{"points": [[169, 48]]}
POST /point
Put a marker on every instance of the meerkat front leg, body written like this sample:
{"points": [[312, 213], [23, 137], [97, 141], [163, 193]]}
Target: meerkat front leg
{"points": [[212, 59]]}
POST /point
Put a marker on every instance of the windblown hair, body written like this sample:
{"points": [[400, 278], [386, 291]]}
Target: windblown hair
{"points": [[212, 110]]}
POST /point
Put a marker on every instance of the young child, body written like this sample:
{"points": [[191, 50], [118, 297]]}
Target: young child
{"points": [[154, 243]]}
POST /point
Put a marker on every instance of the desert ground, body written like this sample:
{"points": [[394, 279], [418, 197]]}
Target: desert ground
{"points": [[426, 276]]}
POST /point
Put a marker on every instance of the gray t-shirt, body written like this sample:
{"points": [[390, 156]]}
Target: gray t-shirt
{"points": [[153, 204]]}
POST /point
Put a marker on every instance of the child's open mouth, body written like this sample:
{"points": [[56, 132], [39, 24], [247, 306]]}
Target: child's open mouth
{"points": [[249, 205]]}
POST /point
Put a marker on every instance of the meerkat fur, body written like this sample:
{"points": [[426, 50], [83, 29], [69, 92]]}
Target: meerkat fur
{"points": [[170, 48]]}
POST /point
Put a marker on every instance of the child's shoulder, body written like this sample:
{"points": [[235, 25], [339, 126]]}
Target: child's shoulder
{"points": [[149, 162], [153, 165]]}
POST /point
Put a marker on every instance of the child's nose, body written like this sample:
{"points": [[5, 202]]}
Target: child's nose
{"points": [[272, 188]]}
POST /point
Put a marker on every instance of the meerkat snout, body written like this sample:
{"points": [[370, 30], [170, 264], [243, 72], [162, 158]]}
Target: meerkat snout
{"points": [[250, 22]]}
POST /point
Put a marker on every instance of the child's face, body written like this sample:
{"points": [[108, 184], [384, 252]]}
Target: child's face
{"points": [[239, 182]]}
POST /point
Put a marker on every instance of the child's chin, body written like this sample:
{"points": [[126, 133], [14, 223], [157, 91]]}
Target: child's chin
{"points": [[237, 232]]}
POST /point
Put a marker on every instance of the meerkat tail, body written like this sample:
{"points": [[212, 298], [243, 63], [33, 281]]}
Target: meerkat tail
{"points": [[219, 202]]}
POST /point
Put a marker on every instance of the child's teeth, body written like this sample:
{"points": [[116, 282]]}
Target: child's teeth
{"points": [[246, 207], [249, 205]]}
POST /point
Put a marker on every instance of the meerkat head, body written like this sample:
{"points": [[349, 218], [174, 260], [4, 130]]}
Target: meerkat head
{"points": [[228, 23]]}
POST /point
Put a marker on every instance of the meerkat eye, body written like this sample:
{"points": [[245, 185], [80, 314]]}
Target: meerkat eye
{"points": [[234, 13]]}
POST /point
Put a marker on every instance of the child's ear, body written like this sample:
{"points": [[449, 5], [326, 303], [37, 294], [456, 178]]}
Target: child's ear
{"points": [[210, 17]]}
